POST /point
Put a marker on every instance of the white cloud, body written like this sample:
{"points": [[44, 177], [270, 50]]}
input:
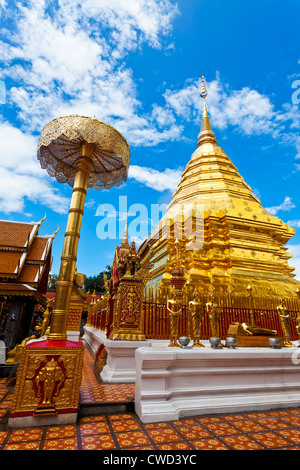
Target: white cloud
{"points": [[294, 223], [21, 176], [160, 181], [69, 57], [72, 61], [246, 109], [286, 205], [16, 188]]}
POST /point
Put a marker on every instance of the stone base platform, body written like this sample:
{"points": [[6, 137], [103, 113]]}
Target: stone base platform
{"points": [[120, 364], [172, 383]]}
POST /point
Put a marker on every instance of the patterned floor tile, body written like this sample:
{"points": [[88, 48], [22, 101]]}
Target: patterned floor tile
{"points": [[23, 446], [291, 434], [92, 419], [209, 444], [221, 429], [25, 435], [55, 432], [241, 442], [174, 446], [209, 419], [141, 448], [133, 438], [291, 420], [272, 423], [255, 415], [247, 425], [3, 435], [125, 425], [61, 444], [94, 428], [233, 417], [184, 422], [120, 416], [193, 432], [102, 442], [270, 439], [157, 425], [164, 435]]}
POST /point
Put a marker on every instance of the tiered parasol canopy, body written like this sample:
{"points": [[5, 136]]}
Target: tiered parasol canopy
{"points": [[60, 147]]}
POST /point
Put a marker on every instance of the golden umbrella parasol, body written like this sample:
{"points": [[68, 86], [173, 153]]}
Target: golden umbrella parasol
{"points": [[85, 153]]}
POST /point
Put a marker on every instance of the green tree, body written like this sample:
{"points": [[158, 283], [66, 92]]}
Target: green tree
{"points": [[96, 282], [52, 281]]}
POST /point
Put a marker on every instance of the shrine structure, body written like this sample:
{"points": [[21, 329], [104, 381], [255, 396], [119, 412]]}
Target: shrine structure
{"points": [[238, 242], [231, 282]]}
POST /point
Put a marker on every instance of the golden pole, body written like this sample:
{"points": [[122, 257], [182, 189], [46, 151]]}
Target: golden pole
{"points": [[59, 318]]}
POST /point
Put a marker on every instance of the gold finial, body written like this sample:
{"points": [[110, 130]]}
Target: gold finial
{"points": [[203, 91], [56, 231], [125, 236], [206, 134], [42, 220]]}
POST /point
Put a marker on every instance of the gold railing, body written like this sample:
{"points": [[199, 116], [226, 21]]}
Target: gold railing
{"points": [[233, 308], [98, 314]]}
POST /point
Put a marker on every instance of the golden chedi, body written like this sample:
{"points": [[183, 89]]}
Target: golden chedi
{"points": [[241, 243]]}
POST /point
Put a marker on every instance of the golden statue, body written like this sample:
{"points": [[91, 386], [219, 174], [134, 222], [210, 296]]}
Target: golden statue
{"points": [[285, 324], [248, 329], [15, 354], [49, 382], [43, 324], [213, 312], [131, 296], [196, 316], [174, 306]]}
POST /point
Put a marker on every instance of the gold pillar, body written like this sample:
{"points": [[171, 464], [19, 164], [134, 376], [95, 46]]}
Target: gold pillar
{"points": [[64, 286]]}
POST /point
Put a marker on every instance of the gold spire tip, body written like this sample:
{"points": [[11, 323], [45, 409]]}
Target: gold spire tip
{"points": [[203, 91]]}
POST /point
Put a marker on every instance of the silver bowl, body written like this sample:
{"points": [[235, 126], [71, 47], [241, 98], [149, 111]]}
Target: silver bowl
{"points": [[183, 341], [214, 342], [231, 342], [274, 343]]}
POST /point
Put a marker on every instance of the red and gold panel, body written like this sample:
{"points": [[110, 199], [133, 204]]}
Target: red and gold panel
{"points": [[48, 379]]}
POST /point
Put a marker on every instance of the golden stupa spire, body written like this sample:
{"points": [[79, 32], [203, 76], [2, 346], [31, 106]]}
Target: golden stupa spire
{"points": [[206, 133], [125, 236]]}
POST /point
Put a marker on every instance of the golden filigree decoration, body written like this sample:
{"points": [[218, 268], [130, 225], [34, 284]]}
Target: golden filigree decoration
{"points": [[60, 146]]}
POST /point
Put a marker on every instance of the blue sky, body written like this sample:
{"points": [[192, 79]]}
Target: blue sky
{"points": [[137, 65]]}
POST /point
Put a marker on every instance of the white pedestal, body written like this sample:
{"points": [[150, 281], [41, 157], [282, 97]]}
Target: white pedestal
{"points": [[73, 335], [172, 382], [93, 338], [120, 365]]}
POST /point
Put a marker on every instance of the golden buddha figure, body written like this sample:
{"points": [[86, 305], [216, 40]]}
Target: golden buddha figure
{"points": [[285, 324], [45, 321], [196, 317], [213, 312], [174, 306]]}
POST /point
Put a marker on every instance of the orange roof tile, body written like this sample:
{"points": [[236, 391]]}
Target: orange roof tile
{"points": [[28, 274], [37, 249], [9, 261], [15, 234]]}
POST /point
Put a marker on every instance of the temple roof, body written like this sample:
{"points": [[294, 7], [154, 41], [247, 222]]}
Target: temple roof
{"points": [[25, 258]]}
